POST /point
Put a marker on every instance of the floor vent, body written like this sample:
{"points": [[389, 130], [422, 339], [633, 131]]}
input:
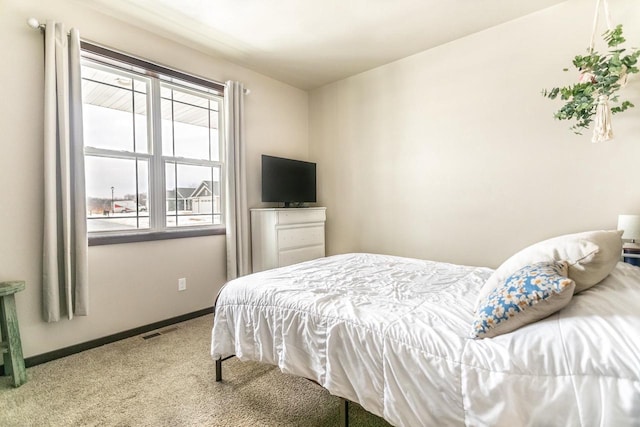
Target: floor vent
{"points": [[158, 333], [153, 335]]}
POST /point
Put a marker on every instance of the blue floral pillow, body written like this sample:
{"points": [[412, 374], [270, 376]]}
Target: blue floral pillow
{"points": [[528, 295]]}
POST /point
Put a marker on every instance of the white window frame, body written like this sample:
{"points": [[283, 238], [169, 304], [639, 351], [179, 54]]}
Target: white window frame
{"points": [[116, 62]]}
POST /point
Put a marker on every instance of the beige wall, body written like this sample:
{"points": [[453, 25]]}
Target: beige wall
{"points": [[131, 284], [453, 154]]}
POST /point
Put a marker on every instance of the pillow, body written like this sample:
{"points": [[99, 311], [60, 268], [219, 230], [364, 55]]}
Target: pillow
{"points": [[530, 294], [591, 256]]}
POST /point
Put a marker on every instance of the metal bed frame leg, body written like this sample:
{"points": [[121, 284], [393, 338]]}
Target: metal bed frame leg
{"points": [[344, 413], [219, 367], [218, 370]]}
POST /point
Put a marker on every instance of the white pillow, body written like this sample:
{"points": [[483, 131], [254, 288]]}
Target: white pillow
{"points": [[591, 256]]}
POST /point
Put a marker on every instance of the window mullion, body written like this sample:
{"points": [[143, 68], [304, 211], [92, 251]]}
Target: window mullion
{"points": [[158, 212], [187, 161], [92, 151]]}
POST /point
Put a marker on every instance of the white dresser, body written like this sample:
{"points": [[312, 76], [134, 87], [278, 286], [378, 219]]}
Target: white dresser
{"points": [[285, 236]]}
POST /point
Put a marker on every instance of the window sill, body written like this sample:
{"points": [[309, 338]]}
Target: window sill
{"points": [[116, 239]]}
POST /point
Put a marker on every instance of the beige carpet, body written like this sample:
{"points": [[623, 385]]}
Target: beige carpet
{"points": [[168, 380]]}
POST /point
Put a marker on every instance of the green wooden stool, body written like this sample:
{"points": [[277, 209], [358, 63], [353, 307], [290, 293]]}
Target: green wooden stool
{"points": [[11, 345]]}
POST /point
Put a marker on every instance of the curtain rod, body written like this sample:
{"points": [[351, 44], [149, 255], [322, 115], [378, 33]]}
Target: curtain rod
{"points": [[36, 25]]}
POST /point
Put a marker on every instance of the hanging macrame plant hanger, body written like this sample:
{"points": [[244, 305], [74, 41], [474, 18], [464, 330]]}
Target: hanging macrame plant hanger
{"points": [[602, 130], [594, 98]]}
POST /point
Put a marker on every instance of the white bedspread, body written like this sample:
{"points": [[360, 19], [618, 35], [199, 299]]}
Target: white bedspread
{"points": [[391, 334]]}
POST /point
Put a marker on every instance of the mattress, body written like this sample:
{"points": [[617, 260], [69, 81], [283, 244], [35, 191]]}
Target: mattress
{"points": [[391, 333]]}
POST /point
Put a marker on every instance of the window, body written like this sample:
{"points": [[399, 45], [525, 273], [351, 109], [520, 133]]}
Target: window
{"points": [[153, 149]]}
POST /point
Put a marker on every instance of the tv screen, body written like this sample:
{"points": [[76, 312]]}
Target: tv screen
{"points": [[288, 181]]}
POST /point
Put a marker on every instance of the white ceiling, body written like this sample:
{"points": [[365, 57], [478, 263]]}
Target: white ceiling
{"points": [[309, 43]]}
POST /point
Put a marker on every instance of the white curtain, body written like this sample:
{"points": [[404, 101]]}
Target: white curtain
{"points": [[237, 211], [65, 271]]}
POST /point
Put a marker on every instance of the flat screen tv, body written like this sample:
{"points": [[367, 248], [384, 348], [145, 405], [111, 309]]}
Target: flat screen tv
{"points": [[288, 181]]}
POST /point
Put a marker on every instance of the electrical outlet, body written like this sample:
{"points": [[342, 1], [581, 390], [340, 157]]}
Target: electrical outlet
{"points": [[182, 284]]}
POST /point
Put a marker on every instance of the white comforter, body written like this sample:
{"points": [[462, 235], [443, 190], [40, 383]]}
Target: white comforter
{"points": [[391, 334]]}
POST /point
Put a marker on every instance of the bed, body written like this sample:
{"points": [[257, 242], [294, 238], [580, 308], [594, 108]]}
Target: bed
{"points": [[392, 334]]}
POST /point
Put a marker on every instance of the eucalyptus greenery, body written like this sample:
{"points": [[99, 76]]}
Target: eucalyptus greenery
{"points": [[600, 74]]}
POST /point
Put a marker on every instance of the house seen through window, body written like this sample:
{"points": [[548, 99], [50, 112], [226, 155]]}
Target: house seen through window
{"points": [[153, 150]]}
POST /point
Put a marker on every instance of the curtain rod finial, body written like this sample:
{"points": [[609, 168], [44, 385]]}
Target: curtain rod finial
{"points": [[33, 23]]}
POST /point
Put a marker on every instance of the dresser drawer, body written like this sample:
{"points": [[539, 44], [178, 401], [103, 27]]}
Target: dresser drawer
{"points": [[295, 256], [296, 237], [301, 216]]}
